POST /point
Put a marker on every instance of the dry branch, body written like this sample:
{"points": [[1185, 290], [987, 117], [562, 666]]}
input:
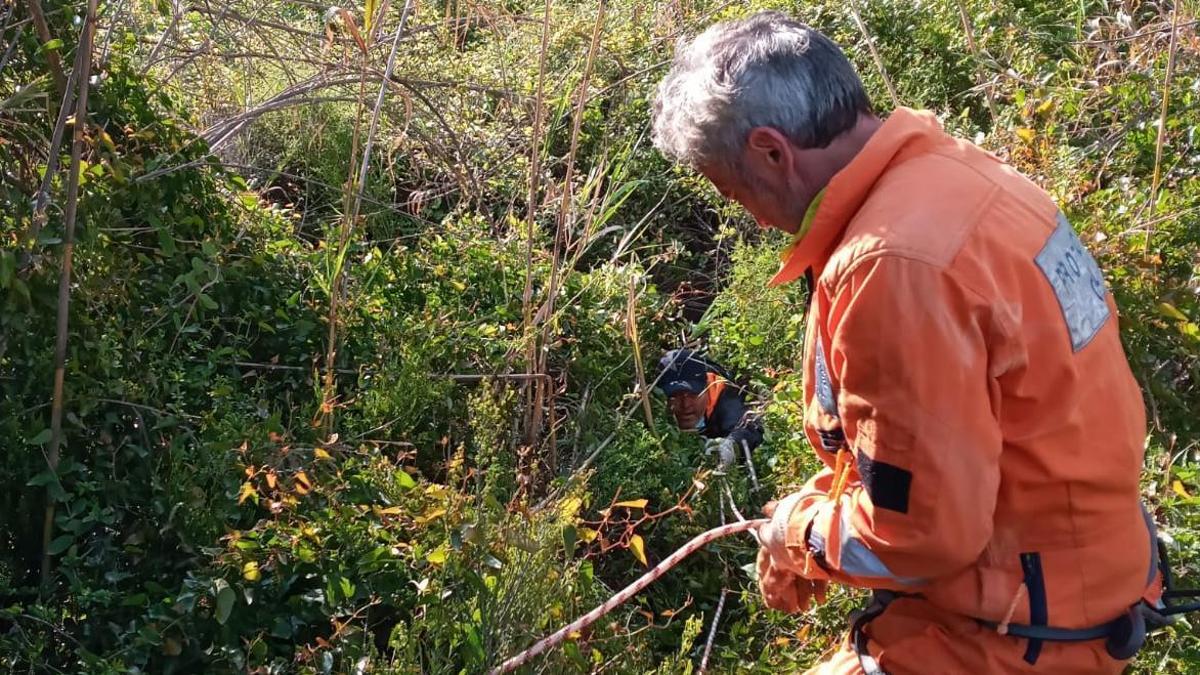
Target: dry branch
{"points": [[64, 281], [1162, 124], [533, 403], [862, 26], [43, 31]]}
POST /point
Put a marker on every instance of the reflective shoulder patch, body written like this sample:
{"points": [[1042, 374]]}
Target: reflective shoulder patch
{"points": [[1077, 283], [824, 385]]}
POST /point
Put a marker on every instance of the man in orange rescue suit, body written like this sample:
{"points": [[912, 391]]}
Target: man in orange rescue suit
{"points": [[967, 389]]}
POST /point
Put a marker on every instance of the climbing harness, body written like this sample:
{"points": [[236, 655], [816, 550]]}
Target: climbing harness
{"points": [[1124, 636]]}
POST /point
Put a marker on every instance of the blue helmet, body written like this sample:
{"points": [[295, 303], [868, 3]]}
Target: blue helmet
{"points": [[682, 370]]}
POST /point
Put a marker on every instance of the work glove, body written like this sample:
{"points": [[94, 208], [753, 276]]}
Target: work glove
{"points": [[785, 591], [781, 587], [724, 448]]}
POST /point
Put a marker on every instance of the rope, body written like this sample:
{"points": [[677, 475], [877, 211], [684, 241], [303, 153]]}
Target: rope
{"points": [[547, 643], [712, 632]]}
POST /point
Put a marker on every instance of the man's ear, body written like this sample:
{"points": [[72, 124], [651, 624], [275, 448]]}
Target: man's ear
{"points": [[769, 146]]}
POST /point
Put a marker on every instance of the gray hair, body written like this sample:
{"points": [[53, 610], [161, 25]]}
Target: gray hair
{"points": [[767, 70]]}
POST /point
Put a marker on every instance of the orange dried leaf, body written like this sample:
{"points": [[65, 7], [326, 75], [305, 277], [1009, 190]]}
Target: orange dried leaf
{"points": [[352, 28], [303, 484], [272, 479]]}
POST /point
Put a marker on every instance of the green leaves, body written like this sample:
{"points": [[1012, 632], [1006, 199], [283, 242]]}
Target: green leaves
{"points": [[207, 301], [42, 438], [225, 598], [8, 267], [60, 544]]}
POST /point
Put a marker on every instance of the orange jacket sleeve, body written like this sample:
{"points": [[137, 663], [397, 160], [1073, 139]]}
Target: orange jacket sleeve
{"points": [[907, 349]]}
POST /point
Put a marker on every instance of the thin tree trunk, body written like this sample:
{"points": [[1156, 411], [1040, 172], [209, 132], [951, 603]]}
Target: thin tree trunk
{"points": [[534, 394], [41, 201], [969, 30], [353, 205], [862, 26], [631, 331], [64, 281], [43, 31], [1162, 127], [562, 225]]}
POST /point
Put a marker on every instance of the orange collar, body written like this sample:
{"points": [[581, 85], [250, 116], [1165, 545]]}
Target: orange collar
{"points": [[850, 187], [716, 384]]}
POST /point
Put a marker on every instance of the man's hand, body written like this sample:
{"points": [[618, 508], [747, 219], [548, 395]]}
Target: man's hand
{"points": [[781, 588], [725, 449], [785, 591]]}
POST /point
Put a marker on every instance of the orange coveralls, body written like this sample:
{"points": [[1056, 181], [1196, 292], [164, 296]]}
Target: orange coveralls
{"points": [[963, 364]]}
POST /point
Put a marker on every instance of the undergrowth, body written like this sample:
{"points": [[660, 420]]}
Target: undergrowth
{"points": [[488, 464]]}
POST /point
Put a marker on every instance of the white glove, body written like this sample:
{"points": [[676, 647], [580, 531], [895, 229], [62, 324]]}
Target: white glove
{"points": [[725, 451]]}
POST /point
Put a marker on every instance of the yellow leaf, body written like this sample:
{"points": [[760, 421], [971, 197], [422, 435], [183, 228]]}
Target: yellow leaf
{"points": [[429, 516], [321, 453], [247, 492], [107, 141], [250, 571], [272, 479], [1177, 488], [587, 534], [1026, 134], [368, 15], [1045, 106], [639, 549], [390, 511], [436, 556], [1171, 312], [634, 503], [569, 507], [303, 484]]}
